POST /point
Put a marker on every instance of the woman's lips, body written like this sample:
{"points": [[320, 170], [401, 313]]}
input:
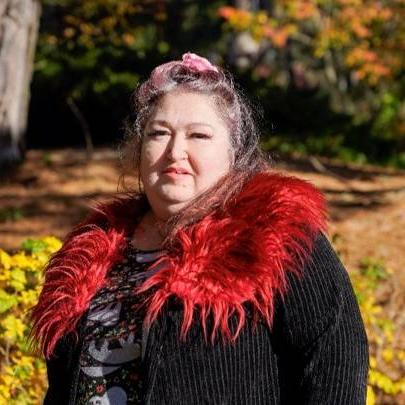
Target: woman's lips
{"points": [[175, 174], [176, 171]]}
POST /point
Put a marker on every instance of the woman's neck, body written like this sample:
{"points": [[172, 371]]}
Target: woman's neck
{"points": [[148, 234]]}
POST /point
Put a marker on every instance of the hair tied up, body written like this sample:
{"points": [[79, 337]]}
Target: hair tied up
{"points": [[189, 60]]}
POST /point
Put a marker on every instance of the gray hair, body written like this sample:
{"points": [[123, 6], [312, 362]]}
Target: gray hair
{"points": [[235, 108]]}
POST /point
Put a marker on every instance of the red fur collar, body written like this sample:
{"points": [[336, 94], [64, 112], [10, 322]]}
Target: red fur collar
{"points": [[224, 261]]}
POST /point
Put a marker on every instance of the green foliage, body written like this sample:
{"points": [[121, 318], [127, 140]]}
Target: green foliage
{"points": [[100, 44], [10, 214], [47, 159], [386, 356], [389, 116], [329, 74], [22, 375], [34, 245], [348, 51], [96, 51], [6, 301], [329, 146]]}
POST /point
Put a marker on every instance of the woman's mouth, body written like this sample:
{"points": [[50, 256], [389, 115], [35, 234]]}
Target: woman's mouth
{"points": [[176, 171], [175, 175]]}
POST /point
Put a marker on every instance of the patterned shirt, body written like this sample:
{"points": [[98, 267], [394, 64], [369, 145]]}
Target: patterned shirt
{"points": [[110, 360]]}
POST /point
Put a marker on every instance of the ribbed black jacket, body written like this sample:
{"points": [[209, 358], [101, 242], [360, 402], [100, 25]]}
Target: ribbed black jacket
{"points": [[316, 352]]}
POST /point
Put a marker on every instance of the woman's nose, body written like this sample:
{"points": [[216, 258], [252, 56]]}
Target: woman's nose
{"points": [[177, 147]]}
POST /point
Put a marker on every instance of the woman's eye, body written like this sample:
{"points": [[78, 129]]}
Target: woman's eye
{"points": [[157, 133], [200, 135]]}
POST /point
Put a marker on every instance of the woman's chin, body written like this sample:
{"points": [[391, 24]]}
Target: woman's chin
{"points": [[175, 194], [171, 203]]}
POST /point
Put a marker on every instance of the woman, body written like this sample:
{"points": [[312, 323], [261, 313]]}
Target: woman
{"points": [[215, 283]]}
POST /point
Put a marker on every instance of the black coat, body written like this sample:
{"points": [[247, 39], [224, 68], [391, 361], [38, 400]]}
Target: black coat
{"points": [[316, 353]]}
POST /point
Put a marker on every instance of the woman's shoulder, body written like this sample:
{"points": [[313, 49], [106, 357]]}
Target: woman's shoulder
{"points": [[322, 270], [317, 296]]}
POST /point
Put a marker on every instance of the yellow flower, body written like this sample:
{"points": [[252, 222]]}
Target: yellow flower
{"points": [[370, 396], [21, 360], [387, 355], [5, 274], [29, 297], [23, 381], [54, 244], [262, 17], [401, 355], [5, 259], [13, 328], [21, 260], [4, 394]]}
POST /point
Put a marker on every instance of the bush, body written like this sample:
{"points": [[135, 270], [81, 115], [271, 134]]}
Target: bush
{"points": [[386, 358], [22, 375]]}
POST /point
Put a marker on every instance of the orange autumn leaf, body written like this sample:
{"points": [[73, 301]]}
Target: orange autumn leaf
{"points": [[278, 36], [302, 10], [226, 12], [360, 30], [359, 56]]}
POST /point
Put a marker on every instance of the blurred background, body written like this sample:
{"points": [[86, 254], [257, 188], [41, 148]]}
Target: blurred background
{"points": [[328, 75]]}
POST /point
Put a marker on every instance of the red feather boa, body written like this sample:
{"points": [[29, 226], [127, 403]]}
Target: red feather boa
{"points": [[224, 261]]}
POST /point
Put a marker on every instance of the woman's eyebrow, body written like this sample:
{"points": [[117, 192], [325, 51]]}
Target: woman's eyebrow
{"points": [[167, 124]]}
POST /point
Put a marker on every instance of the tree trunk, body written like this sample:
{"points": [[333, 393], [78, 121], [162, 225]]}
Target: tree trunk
{"points": [[19, 22]]}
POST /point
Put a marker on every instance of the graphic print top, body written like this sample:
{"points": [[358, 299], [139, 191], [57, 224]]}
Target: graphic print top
{"points": [[110, 360]]}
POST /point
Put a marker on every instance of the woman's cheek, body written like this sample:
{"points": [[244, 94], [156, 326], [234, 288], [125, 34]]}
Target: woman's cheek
{"points": [[149, 160]]}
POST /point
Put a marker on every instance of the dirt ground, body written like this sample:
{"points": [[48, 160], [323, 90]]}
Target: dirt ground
{"points": [[52, 191]]}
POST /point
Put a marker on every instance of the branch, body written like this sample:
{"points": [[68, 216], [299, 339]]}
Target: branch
{"points": [[84, 125]]}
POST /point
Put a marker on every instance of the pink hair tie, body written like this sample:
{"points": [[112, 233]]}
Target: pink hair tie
{"points": [[198, 63], [189, 60]]}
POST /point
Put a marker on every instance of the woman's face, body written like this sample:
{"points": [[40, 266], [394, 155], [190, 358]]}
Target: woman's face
{"points": [[186, 149]]}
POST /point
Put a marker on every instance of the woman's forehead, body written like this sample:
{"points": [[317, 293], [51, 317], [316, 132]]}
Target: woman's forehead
{"points": [[186, 109], [165, 123]]}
